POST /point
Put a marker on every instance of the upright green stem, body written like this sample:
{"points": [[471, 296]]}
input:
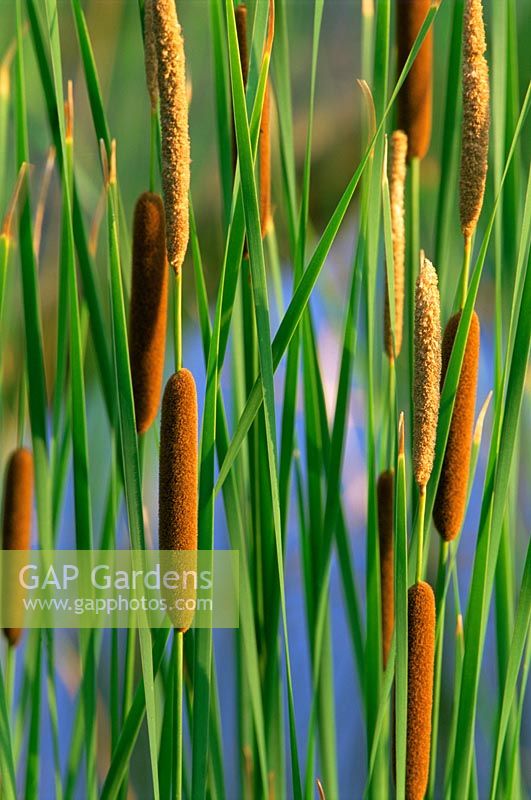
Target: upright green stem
{"points": [[413, 222], [392, 411], [465, 270], [153, 150], [129, 677], [141, 449], [21, 410], [440, 600], [420, 554], [177, 322], [367, 19], [178, 721], [10, 663]]}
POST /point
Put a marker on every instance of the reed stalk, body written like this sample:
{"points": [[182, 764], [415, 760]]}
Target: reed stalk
{"points": [[385, 495], [178, 510]]}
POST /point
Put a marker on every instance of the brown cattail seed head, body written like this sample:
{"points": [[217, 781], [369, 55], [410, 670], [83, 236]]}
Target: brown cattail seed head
{"points": [[174, 128], [427, 377], [450, 502], [240, 13], [178, 487], [385, 493], [476, 118], [397, 180], [18, 506], [150, 55], [178, 464], [414, 99], [265, 163], [149, 294], [421, 652], [241, 31]]}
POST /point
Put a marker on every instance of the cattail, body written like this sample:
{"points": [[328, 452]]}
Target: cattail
{"points": [[178, 465], [476, 118], [18, 505], [174, 127], [450, 502], [421, 652], [241, 31], [414, 99], [150, 55], [265, 163], [240, 13], [397, 180], [385, 493], [427, 377], [149, 293]]}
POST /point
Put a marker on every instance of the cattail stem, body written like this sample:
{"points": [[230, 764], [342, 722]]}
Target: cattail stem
{"points": [[413, 224], [178, 720], [385, 492], [128, 687], [420, 544], [21, 415], [153, 149], [440, 605], [392, 411], [10, 673], [466, 269], [367, 32], [141, 449], [177, 322]]}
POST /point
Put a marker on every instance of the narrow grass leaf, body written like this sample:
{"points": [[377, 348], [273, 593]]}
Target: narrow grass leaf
{"points": [[32, 317], [6, 750], [516, 652]]}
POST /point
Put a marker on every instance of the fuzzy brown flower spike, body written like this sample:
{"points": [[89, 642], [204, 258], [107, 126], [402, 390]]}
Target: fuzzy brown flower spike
{"points": [[414, 99], [150, 55], [421, 652], [476, 118], [385, 494], [240, 13], [427, 375], [174, 127], [149, 297], [397, 180], [178, 466], [450, 502], [18, 505]]}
